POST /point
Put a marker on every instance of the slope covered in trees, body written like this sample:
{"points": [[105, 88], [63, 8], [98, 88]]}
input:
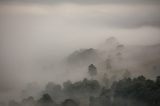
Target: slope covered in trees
{"points": [[137, 91], [108, 79]]}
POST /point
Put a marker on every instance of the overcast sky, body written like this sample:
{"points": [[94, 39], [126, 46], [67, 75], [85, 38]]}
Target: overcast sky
{"points": [[45, 26], [66, 22], [32, 28]]}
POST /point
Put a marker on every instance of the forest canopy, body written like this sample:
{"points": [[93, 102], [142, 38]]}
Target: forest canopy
{"points": [[137, 91]]}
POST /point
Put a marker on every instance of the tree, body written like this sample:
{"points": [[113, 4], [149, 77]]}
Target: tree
{"points": [[70, 102], [54, 90], [28, 101], [92, 70], [108, 64], [46, 100], [106, 80], [158, 81]]}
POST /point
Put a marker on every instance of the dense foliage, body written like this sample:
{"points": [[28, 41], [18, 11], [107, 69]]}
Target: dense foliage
{"points": [[130, 92], [126, 92]]}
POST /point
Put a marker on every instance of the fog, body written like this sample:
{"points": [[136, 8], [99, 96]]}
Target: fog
{"points": [[38, 36]]}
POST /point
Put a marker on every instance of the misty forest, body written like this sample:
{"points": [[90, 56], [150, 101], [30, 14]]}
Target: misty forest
{"points": [[79, 53], [106, 82]]}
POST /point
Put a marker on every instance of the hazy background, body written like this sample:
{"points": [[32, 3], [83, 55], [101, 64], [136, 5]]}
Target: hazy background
{"points": [[34, 30]]}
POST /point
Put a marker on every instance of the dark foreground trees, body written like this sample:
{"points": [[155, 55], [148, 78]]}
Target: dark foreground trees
{"points": [[130, 92], [46, 100], [126, 92], [70, 102]]}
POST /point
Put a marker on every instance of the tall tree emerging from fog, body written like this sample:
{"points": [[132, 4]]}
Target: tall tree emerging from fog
{"points": [[108, 64], [92, 70]]}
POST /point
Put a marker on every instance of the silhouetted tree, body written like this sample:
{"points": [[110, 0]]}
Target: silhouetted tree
{"points": [[108, 64], [92, 70], [140, 89], [158, 81], [137, 91], [28, 101], [54, 90], [106, 81], [70, 102], [46, 100]]}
